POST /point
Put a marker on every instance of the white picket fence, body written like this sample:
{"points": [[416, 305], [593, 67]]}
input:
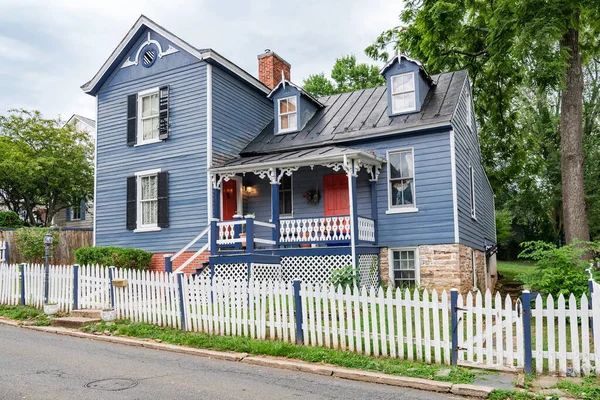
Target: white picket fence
{"points": [[395, 323]]}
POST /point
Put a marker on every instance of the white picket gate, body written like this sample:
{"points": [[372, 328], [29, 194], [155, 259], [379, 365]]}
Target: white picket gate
{"points": [[490, 331], [9, 284], [94, 287]]}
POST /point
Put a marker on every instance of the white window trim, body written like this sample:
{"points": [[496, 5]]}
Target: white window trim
{"points": [[140, 129], [403, 208], [279, 130], [72, 217], [472, 195], [391, 264], [414, 93], [138, 205], [290, 215]]}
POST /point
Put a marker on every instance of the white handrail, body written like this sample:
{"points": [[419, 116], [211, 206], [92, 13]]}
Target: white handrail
{"points": [[190, 244], [192, 258], [267, 224]]}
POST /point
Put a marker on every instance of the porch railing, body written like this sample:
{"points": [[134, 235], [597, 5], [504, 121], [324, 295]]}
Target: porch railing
{"points": [[366, 229], [315, 230], [241, 231]]}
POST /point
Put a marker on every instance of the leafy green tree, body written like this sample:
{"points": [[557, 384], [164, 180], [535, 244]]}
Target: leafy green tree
{"points": [[347, 76], [511, 46], [44, 164]]}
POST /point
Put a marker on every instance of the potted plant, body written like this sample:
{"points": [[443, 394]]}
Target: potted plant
{"points": [[50, 308], [108, 314]]}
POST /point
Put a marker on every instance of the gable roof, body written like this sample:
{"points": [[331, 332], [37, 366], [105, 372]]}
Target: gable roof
{"points": [[88, 121], [284, 82], [363, 114], [143, 22], [399, 58]]}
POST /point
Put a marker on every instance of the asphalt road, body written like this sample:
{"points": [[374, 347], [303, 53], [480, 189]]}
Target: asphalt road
{"points": [[37, 365]]}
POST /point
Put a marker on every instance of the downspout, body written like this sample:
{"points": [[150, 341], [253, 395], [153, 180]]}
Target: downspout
{"points": [[95, 216], [209, 150]]}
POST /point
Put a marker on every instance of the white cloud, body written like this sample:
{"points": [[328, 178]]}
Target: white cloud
{"points": [[62, 44]]}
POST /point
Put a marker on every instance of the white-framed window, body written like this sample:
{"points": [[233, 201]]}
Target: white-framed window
{"points": [[147, 200], [286, 203], [288, 114], [76, 213], [401, 181], [404, 266], [472, 190], [470, 116], [403, 93], [148, 119]]}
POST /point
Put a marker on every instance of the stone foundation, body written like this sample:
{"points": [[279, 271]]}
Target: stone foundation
{"points": [[446, 266], [158, 261]]}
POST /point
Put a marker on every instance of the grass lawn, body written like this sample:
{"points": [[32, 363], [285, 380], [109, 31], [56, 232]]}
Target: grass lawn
{"points": [[24, 313], [510, 269]]}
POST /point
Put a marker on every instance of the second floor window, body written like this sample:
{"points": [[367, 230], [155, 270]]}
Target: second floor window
{"points": [[403, 93], [401, 178], [288, 117], [76, 213], [148, 116], [472, 185], [148, 206], [285, 196]]}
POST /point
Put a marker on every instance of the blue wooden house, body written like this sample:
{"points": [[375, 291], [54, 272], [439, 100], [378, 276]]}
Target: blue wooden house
{"points": [[210, 168]]}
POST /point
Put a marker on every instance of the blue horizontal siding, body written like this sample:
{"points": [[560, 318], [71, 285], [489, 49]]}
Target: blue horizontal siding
{"points": [[183, 155], [472, 232]]}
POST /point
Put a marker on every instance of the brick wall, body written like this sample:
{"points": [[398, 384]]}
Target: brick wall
{"points": [[158, 261], [270, 66]]}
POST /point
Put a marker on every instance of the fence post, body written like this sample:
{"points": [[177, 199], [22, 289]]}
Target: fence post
{"points": [[23, 284], [526, 296], [299, 322], [591, 290], [168, 263], [111, 271], [454, 311], [6, 254], [75, 287], [181, 302]]}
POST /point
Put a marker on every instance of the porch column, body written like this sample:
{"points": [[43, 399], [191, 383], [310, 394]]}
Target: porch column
{"points": [[373, 183], [350, 168], [216, 203], [275, 206]]}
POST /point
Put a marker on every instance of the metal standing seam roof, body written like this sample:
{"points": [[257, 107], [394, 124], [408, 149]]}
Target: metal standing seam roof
{"points": [[362, 114], [305, 157]]}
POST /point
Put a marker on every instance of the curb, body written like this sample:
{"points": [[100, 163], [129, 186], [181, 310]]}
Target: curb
{"points": [[273, 362]]}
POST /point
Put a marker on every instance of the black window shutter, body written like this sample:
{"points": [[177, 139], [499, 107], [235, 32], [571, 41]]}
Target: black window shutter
{"points": [[163, 112], [163, 200], [131, 203], [68, 214], [82, 209], [131, 119]]}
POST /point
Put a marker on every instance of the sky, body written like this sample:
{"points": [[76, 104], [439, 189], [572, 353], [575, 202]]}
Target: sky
{"points": [[48, 49]]}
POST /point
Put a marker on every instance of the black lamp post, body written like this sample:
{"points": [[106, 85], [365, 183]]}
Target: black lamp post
{"points": [[48, 239]]}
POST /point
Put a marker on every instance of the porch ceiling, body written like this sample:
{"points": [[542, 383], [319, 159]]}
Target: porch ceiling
{"points": [[330, 156]]}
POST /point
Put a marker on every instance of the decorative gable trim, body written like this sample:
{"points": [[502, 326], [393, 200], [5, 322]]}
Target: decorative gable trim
{"points": [[399, 58], [202, 54], [284, 82], [161, 53]]}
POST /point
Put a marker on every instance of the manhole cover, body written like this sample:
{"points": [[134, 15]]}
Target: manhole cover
{"points": [[112, 385]]}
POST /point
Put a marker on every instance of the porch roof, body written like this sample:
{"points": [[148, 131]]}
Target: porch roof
{"points": [[327, 156]]}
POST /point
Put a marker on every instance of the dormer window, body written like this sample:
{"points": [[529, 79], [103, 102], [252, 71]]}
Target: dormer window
{"points": [[288, 118], [403, 93]]}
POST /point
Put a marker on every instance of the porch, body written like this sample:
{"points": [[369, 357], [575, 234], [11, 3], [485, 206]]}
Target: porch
{"points": [[296, 214]]}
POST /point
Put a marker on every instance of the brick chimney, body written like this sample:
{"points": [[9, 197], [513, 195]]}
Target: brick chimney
{"points": [[270, 66]]}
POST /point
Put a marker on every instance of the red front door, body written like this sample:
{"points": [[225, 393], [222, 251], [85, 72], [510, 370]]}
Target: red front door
{"points": [[335, 195], [230, 202]]}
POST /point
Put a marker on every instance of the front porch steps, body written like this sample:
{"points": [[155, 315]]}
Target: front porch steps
{"points": [[87, 313], [73, 322]]}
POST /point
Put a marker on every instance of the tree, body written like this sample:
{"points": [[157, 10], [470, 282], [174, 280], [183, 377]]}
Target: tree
{"points": [[509, 46], [347, 76], [43, 164]]}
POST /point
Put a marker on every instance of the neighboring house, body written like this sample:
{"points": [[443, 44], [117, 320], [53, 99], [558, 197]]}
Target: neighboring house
{"points": [[387, 179], [81, 216]]}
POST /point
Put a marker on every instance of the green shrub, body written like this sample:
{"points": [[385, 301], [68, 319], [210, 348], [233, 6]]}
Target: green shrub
{"points": [[114, 256], [30, 243], [10, 219], [558, 269], [344, 277]]}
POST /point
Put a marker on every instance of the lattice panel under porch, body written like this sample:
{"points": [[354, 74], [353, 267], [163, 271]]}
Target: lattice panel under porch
{"points": [[236, 272], [263, 272], [368, 270], [313, 269]]}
